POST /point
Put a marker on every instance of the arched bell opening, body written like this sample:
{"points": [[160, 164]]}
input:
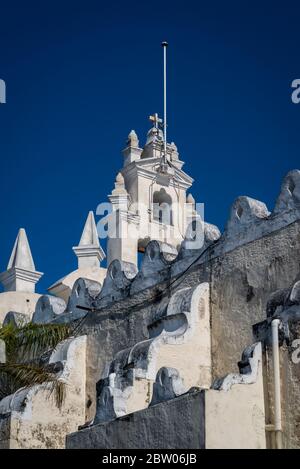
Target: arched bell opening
{"points": [[162, 207]]}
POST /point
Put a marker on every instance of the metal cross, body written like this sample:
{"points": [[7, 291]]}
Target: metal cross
{"points": [[157, 120]]}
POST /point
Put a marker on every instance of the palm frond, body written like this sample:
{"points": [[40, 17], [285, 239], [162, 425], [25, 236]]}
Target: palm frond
{"points": [[31, 340], [17, 375], [27, 349]]}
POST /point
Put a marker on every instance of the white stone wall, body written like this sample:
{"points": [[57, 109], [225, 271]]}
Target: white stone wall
{"points": [[34, 421]]}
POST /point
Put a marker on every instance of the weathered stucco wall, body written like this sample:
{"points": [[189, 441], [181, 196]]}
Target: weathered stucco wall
{"points": [[241, 282], [235, 417], [290, 386], [20, 302], [30, 417], [174, 424], [290, 372], [231, 416], [258, 254]]}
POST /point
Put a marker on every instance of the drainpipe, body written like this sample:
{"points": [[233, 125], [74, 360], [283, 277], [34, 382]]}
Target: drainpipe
{"points": [[277, 390]]}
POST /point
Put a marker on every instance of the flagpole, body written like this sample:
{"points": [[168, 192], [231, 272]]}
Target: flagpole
{"points": [[165, 45]]}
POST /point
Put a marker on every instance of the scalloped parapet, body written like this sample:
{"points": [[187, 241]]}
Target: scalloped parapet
{"points": [[85, 293], [155, 265], [117, 283], [183, 332], [168, 385], [199, 236], [48, 308], [16, 319], [245, 222], [248, 366], [249, 220], [289, 197]]}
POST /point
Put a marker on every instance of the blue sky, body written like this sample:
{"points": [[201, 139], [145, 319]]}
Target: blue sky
{"points": [[81, 75]]}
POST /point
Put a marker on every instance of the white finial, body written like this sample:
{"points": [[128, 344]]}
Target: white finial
{"points": [[133, 140], [132, 152], [21, 274], [190, 199], [120, 180], [89, 251]]}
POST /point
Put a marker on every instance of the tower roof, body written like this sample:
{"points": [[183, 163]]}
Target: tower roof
{"points": [[89, 235], [89, 251], [20, 275], [21, 256]]}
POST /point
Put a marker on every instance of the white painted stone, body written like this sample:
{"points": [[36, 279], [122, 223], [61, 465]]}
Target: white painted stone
{"points": [[235, 414], [89, 254], [155, 265], [20, 302], [183, 333], [89, 251], [134, 219], [252, 357], [20, 275], [244, 212], [63, 287], [168, 385], [132, 152], [48, 308], [117, 282], [16, 319], [35, 422], [289, 197], [84, 293], [119, 198]]}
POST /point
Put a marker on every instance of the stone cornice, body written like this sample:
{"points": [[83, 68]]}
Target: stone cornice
{"points": [[145, 169], [14, 273], [89, 251]]}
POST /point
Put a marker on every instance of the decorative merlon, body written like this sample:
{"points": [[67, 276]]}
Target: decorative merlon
{"points": [[89, 251], [20, 275], [119, 198], [132, 152]]}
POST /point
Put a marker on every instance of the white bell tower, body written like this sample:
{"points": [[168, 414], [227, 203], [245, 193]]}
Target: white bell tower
{"points": [[149, 199]]}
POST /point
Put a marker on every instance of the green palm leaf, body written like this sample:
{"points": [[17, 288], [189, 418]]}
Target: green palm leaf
{"points": [[31, 340], [17, 375], [25, 346]]}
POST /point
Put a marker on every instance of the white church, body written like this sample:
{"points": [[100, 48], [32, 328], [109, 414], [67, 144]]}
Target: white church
{"points": [[148, 202]]}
